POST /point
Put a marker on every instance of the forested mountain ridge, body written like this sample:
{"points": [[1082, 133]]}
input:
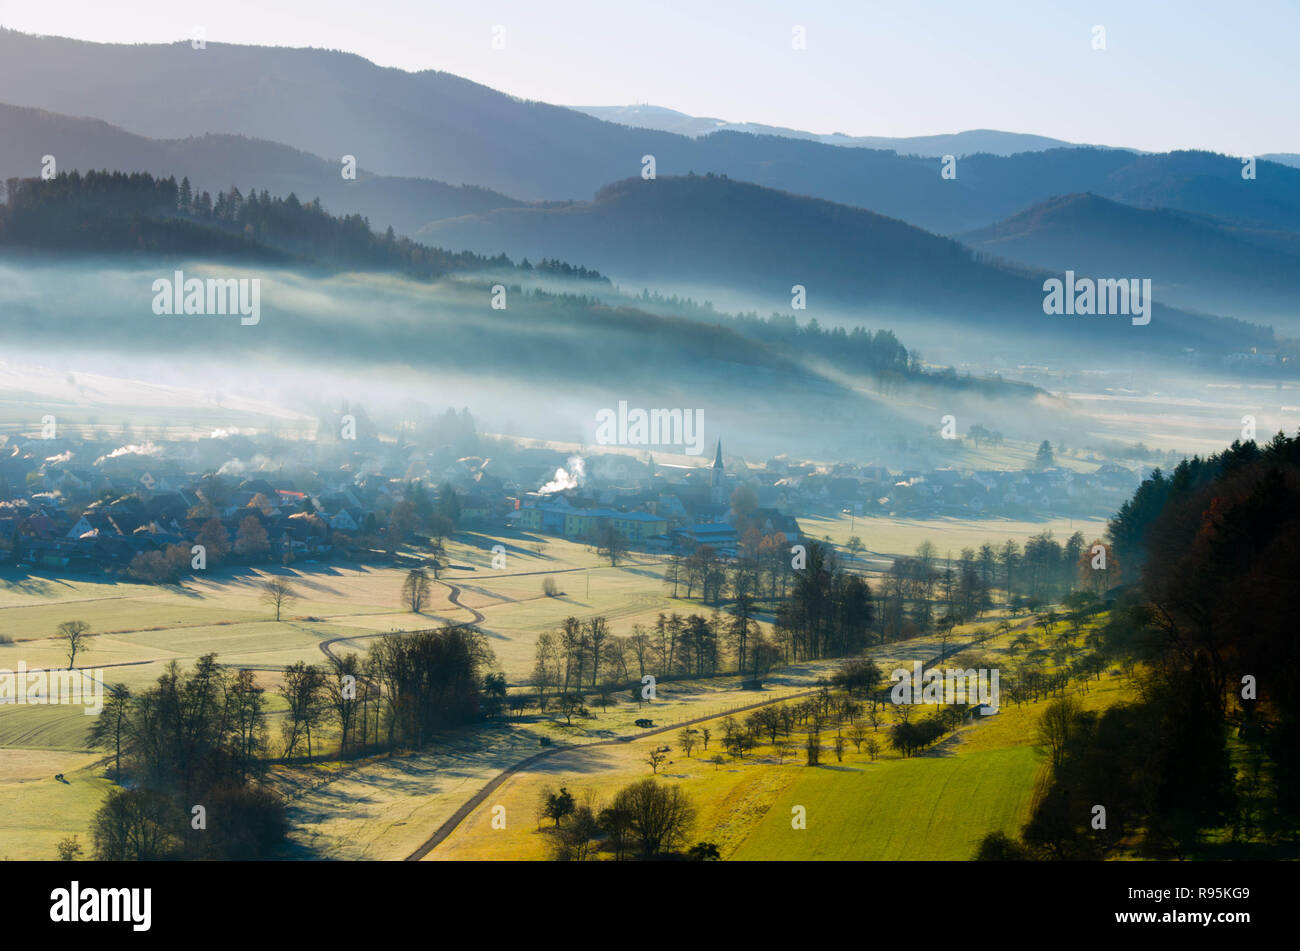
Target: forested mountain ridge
{"points": [[435, 125], [1197, 261], [123, 212], [714, 232], [213, 162]]}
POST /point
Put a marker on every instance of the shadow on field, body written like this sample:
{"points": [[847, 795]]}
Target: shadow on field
{"points": [[587, 760], [643, 572], [26, 583], [480, 590], [298, 577], [411, 775], [245, 578], [945, 748], [513, 540]]}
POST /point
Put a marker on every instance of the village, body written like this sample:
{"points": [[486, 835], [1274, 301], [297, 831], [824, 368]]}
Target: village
{"points": [[95, 503]]}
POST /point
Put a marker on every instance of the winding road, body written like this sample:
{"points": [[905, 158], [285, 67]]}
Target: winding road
{"points": [[453, 596]]}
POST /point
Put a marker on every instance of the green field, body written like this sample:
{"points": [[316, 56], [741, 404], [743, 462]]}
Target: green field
{"points": [[37, 810], [934, 806], [923, 808], [890, 537]]}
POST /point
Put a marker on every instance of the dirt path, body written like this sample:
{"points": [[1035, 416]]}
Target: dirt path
{"points": [[453, 596]]}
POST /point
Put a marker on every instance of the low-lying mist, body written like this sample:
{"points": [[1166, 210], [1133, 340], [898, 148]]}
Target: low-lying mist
{"points": [[541, 366]]}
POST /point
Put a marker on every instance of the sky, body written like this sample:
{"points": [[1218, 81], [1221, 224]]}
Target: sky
{"points": [[1189, 74]]}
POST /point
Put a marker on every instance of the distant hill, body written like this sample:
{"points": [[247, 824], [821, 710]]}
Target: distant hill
{"points": [[215, 162], [129, 213], [434, 125], [135, 214], [91, 247], [1195, 261], [991, 141], [1283, 158], [330, 104], [714, 232]]}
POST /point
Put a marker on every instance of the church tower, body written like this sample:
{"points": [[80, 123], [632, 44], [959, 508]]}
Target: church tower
{"points": [[717, 491]]}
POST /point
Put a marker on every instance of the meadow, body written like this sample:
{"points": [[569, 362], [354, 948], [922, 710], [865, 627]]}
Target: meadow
{"points": [[139, 629], [935, 805], [887, 537], [385, 807]]}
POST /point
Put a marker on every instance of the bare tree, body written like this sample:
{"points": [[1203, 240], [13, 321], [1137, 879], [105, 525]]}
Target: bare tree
{"points": [[69, 849], [656, 759], [610, 544], [858, 733], [686, 739], [578, 839], [301, 689], [279, 593], [556, 806], [401, 522], [660, 816], [110, 731], [875, 713], [341, 689], [1055, 727], [75, 634], [813, 748], [416, 590], [244, 705], [596, 635], [639, 641], [570, 704]]}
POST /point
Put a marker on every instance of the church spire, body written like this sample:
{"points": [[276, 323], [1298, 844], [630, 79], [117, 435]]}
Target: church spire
{"points": [[717, 459]]}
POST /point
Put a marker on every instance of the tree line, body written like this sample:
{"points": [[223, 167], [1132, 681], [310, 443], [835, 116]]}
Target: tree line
{"points": [[200, 738], [112, 211], [1044, 571], [1207, 629]]}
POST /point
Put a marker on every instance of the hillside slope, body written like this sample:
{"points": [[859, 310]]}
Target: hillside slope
{"points": [[215, 162], [711, 231], [1195, 261], [439, 126]]}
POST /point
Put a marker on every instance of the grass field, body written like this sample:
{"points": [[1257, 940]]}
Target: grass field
{"points": [[36, 810], [386, 808], [928, 807], [890, 537], [357, 813], [937, 805]]}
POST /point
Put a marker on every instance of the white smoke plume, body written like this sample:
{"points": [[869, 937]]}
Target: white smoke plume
{"points": [[147, 449], [563, 480]]}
